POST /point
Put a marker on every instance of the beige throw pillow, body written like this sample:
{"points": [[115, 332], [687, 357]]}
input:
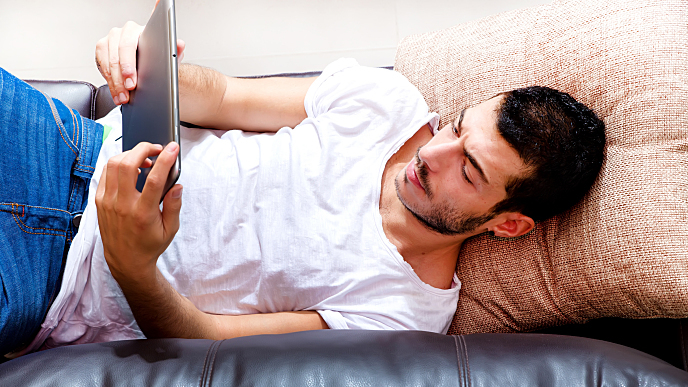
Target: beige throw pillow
{"points": [[622, 251]]}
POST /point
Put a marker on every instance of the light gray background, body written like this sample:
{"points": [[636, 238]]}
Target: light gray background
{"points": [[55, 39]]}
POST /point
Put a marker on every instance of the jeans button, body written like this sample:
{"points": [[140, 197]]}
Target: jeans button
{"points": [[76, 220]]}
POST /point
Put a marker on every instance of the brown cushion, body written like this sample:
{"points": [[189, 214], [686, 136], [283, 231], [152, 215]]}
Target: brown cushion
{"points": [[622, 251]]}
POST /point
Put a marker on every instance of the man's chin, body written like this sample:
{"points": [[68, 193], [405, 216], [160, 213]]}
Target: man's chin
{"points": [[431, 223], [461, 225]]}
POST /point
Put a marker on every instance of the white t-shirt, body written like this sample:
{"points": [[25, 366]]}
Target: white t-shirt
{"points": [[275, 222]]}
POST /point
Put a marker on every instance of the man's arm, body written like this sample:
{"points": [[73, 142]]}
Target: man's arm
{"points": [[135, 232], [213, 100], [161, 312], [206, 97]]}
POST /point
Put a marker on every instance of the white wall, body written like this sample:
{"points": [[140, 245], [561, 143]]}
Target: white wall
{"points": [[55, 39]]}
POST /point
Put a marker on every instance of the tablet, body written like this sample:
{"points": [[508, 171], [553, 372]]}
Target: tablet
{"points": [[152, 113]]}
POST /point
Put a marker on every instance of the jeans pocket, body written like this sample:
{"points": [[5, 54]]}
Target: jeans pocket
{"points": [[33, 247], [35, 220]]}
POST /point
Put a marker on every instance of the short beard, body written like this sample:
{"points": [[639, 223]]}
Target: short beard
{"points": [[442, 219]]}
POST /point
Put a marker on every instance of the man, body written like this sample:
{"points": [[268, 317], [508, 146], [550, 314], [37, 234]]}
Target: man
{"points": [[349, 214]]}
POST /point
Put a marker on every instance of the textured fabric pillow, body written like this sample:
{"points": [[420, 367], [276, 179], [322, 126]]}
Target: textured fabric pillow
{"points": [[622, 251]]}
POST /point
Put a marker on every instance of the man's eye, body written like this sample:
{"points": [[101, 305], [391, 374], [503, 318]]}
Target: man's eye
{"points": [[465, 176], [455, 129]]}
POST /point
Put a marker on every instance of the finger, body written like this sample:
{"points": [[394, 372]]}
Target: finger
{"points": [[109, 179], [103, 62], [100, 191], [129, 42], [128, 169], [117, 87], [181, 46], [171, 207], [102, 58], [155, 182], [147, 163]]}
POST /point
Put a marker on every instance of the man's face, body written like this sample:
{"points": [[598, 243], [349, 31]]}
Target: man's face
{"points": [[461, 173]]}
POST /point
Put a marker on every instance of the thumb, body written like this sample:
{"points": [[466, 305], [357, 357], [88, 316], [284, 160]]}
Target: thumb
{"points": [[171, 206]]}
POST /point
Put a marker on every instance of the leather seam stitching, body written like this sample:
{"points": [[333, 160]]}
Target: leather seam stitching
{"points": [[212, 365], [468, 367], [683, 324], [201, 382], [209, 364], [458, 359]]}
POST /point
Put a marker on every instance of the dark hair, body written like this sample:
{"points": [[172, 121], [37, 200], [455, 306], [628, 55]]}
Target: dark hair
{"points": [[560, 140]]}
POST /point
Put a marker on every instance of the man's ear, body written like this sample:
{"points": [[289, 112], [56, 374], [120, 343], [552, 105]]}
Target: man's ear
{"points": [[514, 225]]}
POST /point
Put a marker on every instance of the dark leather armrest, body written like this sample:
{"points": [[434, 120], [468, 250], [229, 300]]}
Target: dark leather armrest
{"points": [[75, 94], [347, 358], [103, 102]]}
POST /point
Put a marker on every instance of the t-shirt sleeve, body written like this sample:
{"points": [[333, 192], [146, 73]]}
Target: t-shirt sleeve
{"points": [[344, 87], [346, 320], [402, 309], [343, 320]]}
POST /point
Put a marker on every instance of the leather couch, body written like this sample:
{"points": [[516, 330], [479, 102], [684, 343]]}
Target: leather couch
{"points": [[347, 358], [585, 355]]}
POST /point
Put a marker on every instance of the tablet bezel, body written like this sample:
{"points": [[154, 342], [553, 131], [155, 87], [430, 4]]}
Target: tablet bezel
{"points": [[152, 113]]}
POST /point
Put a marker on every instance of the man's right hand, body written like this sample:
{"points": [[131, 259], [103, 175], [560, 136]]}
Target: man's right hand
{"points": [[261, 105], [116, 59]]}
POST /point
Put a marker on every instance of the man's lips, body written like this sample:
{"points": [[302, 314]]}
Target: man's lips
{"points": [[411, 175]]}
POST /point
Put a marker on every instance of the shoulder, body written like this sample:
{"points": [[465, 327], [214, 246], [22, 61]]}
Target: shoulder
{"points": [[346, 83], [348, 73]]}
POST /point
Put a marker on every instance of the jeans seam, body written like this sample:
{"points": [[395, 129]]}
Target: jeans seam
{"points": [[75, 129], [72, 192], [84, 167], [80, 120], [30, 206], [58, 121], [20, 224], [17, 205]]}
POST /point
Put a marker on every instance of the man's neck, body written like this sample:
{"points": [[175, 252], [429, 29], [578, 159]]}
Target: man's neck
{"points": [[431, 255]]}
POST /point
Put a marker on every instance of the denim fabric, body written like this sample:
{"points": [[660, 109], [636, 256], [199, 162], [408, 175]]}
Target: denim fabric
{"points": [[47, 156]]}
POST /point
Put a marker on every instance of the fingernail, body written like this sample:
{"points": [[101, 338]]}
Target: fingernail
{"points": [[176, 194], [122, 97], [129, 83], [172, 147], [116, 99]]}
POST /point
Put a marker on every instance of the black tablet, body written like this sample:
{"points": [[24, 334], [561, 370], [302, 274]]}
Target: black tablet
{"points": [[152, 113]]}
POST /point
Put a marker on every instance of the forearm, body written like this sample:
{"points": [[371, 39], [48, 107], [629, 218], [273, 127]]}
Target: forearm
{"points": [[210, 99], [206, 97], [162, 312]]}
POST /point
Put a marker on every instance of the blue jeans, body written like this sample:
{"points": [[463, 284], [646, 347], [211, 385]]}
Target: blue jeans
{"points": [[47, 157]]}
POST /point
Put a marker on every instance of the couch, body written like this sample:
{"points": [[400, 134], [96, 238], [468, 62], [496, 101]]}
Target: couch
{"points": [[574, 355], [346, 358], [603, 304]]}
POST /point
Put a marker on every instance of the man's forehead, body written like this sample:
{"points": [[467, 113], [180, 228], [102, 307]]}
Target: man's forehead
{"points": [[497, 159], [488, 107], [492, 103]]}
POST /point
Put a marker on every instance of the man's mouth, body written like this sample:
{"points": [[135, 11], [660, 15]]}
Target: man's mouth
{"points": [[412, 176]]}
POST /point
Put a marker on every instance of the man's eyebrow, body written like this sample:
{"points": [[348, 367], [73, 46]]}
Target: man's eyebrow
{"points": [[475, 165], [470, 157], [458, 124]]}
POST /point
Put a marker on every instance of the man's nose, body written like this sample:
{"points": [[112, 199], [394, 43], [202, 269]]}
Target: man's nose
{"points": [[440, 155]]}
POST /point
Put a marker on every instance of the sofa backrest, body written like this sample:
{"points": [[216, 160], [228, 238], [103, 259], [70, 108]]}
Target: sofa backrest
{"points": [[90, 101]]}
